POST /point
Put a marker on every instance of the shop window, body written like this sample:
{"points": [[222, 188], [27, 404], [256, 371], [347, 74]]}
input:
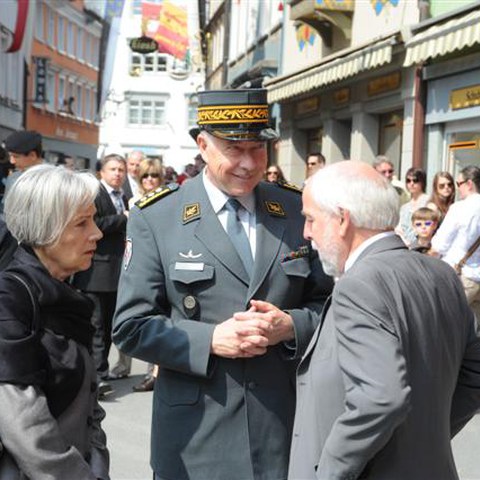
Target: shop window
{"points": [[390, 137], [463, 150], [192, 104]]}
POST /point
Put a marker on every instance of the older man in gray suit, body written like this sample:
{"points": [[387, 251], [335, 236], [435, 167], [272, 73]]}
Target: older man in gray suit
{"points": [[392, 373], [224, 399]]}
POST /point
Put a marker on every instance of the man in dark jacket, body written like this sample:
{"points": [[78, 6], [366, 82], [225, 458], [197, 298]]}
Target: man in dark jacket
{"points": [[8, 245], [100, 281]]}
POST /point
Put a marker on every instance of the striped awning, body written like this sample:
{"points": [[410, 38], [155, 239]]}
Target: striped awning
{"points": [[330, 70], [444, 38]]}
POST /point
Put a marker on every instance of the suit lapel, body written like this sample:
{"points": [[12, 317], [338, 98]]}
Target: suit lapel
{"points": [[269, 231], [316, 334], [211, 233]]}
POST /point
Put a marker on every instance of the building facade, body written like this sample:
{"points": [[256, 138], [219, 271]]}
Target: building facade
{"points": [[344, 82], [63, 84], [151, 101]]}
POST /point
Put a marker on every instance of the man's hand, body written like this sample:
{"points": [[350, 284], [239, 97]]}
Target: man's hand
{"points": [[280, 323], [230, 335]]}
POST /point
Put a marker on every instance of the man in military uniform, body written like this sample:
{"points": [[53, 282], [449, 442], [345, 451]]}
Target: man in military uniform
{"points": [[220, 289]]}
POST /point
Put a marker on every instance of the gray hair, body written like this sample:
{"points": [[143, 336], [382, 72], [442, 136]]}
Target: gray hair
{"points": [[43, 200], [372, 201], [379, 159]]}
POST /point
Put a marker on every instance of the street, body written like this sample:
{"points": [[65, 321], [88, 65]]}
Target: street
{"points": [[128, 432]]}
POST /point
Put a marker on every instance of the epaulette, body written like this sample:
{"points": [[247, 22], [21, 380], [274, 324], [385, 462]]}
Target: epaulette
{"points": [[290, 186], [157, 194]]}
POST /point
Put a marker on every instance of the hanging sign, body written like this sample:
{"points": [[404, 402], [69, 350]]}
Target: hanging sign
{"points": [[143, 45]]}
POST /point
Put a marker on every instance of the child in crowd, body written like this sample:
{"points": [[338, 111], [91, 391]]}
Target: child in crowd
{"points": [[424, 223]]}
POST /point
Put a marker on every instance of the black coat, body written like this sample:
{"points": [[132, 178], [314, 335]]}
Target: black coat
{"points": [[47, 377], [8, 245], [103, 274]]}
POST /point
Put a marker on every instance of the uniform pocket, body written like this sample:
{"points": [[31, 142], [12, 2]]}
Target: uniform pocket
{"points": [[191, 276], [299, 267], [176, 388]]}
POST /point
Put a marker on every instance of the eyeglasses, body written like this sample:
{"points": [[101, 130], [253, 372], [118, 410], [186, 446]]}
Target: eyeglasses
{"points": [[151, 175], [426, 223], [413, 180], [272, 172], [383, 172], [445, 185], [460, 183]]}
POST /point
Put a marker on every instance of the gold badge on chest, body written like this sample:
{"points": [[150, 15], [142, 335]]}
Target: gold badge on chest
{"points": [[190, 212], [275, 208]]}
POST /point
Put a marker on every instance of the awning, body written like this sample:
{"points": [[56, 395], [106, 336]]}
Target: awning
{"points": [[330, 70], [441, 39]]}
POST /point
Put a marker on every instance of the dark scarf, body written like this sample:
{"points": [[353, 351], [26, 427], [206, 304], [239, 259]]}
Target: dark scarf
{"points": [[45, 357]]}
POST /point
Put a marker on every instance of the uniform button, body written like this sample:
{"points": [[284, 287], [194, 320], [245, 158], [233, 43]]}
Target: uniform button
{"points": [[251, 385], [93, 387], [89, 421]]}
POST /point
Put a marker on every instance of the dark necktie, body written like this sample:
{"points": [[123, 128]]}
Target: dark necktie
{"points": [[237, 234], [119, 206]]}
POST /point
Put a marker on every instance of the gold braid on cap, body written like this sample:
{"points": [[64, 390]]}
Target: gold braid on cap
{"points": [[232, 114]]}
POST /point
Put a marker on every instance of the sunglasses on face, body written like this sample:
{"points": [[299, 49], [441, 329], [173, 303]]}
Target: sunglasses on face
{"points": [[412, 180], [426, 223], [383, 172], [151, 175], [445, 185], [273, 172], [460, 183]]}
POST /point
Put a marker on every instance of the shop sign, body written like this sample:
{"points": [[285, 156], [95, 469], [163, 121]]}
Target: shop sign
{"points": [[143, 45], [383, 84], [341, 96], [308, 105], [41, 80], [465, 97]]}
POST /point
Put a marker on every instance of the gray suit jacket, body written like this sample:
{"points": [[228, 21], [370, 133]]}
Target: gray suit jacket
{"points": [[213, 417], [392, 373]]}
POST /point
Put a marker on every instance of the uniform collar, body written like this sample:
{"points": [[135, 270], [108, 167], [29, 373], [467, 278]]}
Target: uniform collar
{"points": [[218, 199]]}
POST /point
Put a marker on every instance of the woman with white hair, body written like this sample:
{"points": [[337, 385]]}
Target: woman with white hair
{"points": [[49, 414]]}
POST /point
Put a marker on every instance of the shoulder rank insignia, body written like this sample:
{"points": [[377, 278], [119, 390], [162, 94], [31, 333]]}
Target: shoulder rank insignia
{"points": [[274, 208], [190, 212], [290, 186], [157, 194]]}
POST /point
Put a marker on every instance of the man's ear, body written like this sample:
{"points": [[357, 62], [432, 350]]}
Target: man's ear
{"points": [[201, 143], [345, 222]]}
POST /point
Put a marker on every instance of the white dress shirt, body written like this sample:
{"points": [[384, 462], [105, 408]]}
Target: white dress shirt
{"points": [[458, 232], [247, 215]]}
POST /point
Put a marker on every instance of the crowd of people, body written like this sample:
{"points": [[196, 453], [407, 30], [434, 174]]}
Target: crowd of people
{"points": [[322, 332]]}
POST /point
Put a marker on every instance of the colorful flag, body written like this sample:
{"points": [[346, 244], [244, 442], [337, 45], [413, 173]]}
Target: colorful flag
{"points": [[166, 23]]}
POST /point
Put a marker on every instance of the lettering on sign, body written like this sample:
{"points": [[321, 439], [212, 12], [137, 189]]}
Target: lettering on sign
{"points": [[308, 105], [341, 96], [41, 80], [383, 84], [143, 45], [465, 97]]}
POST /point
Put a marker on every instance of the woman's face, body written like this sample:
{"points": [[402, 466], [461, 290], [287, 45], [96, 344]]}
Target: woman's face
{"points": [[413, 186], [150, 181], [74, 250], [444, 187], [272, 174]]}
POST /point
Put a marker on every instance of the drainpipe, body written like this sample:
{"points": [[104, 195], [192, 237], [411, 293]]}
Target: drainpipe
{"points": [[226, 43], [418, 120]]}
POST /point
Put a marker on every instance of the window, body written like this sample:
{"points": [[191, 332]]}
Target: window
{"points": [[61, 34], [70, 39], [51, 27], [88, 47], [50, 91], [192, 104], [80, 51], [94, 55], [151, 63], [88, 104], [61, 93], [148, 110], [79, 101], [39, 30]]}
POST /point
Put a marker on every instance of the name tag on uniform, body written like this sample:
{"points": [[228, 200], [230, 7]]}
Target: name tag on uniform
{"points": [[195, 266]]}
